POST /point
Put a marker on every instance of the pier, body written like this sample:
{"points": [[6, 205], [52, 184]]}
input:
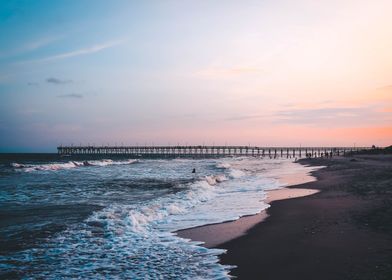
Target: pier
{"points": [[207, 151]]}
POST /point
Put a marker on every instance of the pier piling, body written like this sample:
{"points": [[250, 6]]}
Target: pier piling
{"points": [[206, 151]]}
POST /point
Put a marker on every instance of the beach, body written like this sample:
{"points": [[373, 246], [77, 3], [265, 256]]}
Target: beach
{"points": [[257, 217], [121, 214], [341, 232]]}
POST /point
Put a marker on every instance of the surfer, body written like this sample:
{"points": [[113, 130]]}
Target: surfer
{"points": [[194, 170]]}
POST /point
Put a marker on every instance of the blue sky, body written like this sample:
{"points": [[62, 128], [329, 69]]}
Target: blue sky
{"points": [[163, 72]]}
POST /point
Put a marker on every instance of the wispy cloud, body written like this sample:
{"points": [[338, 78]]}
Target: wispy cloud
{"points": [[245, 117], [330, 116], [83, 51], [71, 95], [79, 52], [93, 49], [57, 81], [33, 84], [333, 116], [31, 46]]}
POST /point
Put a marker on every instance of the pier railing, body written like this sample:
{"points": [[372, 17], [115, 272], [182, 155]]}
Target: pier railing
{"points": [[205, 151]]}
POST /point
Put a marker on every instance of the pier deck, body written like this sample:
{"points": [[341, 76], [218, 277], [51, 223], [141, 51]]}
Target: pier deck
{"points": [[205, 151]]}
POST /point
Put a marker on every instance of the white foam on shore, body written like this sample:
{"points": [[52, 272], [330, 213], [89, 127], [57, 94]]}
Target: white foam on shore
{"points": [[131, 236], [136, 240], [68, 165]]}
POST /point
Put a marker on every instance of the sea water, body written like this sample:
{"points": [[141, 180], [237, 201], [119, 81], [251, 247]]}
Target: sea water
{"points": [[116, 218]]}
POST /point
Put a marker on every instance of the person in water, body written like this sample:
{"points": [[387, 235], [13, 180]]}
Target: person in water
{"points": [[194, 170]]}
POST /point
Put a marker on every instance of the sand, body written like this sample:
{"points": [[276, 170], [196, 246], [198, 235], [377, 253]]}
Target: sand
{"points": [[342, 232], [216, 234]]}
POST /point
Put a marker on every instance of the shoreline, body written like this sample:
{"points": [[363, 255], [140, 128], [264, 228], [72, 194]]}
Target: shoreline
{"points": [[229, 230], [342, 232]]}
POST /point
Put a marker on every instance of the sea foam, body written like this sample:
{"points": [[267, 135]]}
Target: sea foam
{"points": [[68, 165], [133, 236]]}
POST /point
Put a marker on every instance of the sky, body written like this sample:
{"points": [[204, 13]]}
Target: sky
{"points": [[265, 73]]}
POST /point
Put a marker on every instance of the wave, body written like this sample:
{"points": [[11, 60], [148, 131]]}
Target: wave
{"points": [[17, 165], [215, 179], [141, 218], [223, 165], [128, 240], [68, 165], [236, 173], [233, 172], [133, 235]]}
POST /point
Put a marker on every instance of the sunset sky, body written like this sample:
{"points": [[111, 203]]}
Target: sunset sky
{"points": [[267, 73]]}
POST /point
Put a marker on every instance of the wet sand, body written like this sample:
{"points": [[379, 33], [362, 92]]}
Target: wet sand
{"points": [[342, 232], [216, 234]]}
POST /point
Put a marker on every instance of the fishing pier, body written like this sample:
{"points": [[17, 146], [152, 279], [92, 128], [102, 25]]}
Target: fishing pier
{"points": [[207, 151]]}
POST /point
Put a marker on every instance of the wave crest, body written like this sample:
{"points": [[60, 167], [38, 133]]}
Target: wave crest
{"points": [[68, 165]]}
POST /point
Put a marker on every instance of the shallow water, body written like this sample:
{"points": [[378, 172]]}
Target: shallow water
{"points": [[115, 218]]}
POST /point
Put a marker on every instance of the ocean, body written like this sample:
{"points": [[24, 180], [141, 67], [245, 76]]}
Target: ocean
{"points": [[116, 218]]}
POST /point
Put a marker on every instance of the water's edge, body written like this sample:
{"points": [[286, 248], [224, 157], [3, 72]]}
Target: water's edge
{"points": [[214, 235]]}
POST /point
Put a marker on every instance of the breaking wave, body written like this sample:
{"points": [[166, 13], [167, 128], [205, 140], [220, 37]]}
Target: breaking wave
{"points": [[132, 234], [68, 165], [132, 241]]}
